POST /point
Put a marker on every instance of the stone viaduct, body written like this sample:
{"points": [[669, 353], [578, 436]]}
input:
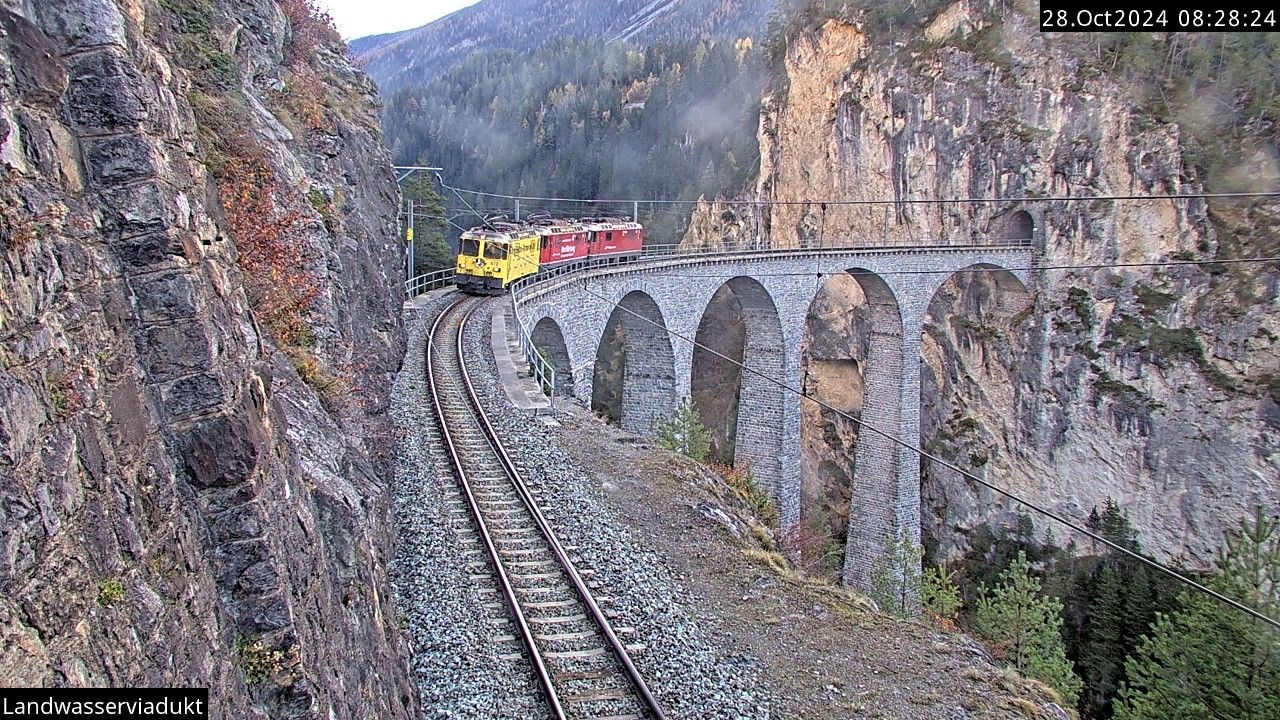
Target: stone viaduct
{"points": [[568, 316]]}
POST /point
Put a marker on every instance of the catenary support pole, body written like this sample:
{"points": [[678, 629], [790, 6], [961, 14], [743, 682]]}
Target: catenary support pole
{"points": [[409, 236]]}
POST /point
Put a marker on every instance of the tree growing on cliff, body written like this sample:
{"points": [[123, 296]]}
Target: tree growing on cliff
{"points": [[991, 550], [1022, 628], [430, 250], [683, 432], [1207, 659]]}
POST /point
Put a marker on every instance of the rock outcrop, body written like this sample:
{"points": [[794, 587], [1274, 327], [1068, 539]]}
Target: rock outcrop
{"points": [[192, 471], [1155, 386]]}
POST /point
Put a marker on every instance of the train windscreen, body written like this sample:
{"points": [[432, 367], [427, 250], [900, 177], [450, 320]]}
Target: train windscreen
{"points": [[495, 250], [469, 246]]}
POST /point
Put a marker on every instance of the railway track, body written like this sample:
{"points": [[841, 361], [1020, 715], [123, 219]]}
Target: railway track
{"points": [[582, 666]]}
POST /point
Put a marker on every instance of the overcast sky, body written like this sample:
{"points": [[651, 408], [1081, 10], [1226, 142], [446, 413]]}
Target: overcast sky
{"points": [[357, 18]]}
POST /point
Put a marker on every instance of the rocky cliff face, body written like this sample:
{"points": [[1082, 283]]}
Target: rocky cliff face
{"points": [[1155, 386], [199, 325]]}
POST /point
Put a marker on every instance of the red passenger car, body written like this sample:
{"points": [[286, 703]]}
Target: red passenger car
{"points": [[614, 237], [561, 241]]}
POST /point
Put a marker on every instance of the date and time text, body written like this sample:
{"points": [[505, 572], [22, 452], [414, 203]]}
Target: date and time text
{"points": [[1248, 16]]}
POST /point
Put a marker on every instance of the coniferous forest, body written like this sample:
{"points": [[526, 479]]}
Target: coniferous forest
{"points": [[584, 119], [1116, 637]]}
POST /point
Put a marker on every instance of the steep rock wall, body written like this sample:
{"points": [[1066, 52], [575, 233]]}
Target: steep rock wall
{"points": [[182, 502], [1154, 386]]}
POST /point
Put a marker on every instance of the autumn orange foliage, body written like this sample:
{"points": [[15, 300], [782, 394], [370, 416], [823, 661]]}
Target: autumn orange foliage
{"points": [[313, 28], [279, 282], [304, 97], [305, 91]]}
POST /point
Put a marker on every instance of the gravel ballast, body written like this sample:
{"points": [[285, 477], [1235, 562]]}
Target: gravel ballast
{"points": [[689, 673], [458, 670]]}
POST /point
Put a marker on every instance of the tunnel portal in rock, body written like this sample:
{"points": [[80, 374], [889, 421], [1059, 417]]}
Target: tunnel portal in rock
{"points": [[1017, 227]]}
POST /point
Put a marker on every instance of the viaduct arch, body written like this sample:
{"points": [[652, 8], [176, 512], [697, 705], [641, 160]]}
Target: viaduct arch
{"points": [[775, 290]]}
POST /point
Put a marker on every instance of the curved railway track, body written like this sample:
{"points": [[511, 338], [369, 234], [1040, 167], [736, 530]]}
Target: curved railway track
{"points": [[582, 667]]}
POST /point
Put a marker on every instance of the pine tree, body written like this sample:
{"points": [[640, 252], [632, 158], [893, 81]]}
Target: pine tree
{"points": [[1022, 627], [684, 432], [1113, 524], [1208, 660], [1104, 642], [430, 250], [1110, 601], [895, 579], [991, 550], [939, 593]]}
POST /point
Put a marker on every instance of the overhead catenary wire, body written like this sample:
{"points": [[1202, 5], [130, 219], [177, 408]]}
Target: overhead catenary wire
{"points": [[984, 270], [878, 201], [968, 475], [464, 200], [449, 220], [556, 201]]}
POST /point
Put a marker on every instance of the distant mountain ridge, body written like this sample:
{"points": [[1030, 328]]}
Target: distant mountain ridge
{"points": [[415, 57]]}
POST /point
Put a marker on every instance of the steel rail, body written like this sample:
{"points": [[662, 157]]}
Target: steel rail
{"points": [[508, 590], [620, 652]]}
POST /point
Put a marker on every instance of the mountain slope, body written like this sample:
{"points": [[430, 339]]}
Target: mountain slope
{"points": [[416, 56], [590, 120]]}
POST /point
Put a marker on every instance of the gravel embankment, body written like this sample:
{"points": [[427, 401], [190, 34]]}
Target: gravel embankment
{"points": [[683, 555]]}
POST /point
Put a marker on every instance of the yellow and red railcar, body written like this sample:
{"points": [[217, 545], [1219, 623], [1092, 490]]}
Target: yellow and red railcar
{"points": [[492, 257]]}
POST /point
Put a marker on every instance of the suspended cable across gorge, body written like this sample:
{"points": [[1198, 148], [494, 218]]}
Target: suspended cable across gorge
{"points": [[923, 454], [985, 270], [871, 201], [561, 202]]}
